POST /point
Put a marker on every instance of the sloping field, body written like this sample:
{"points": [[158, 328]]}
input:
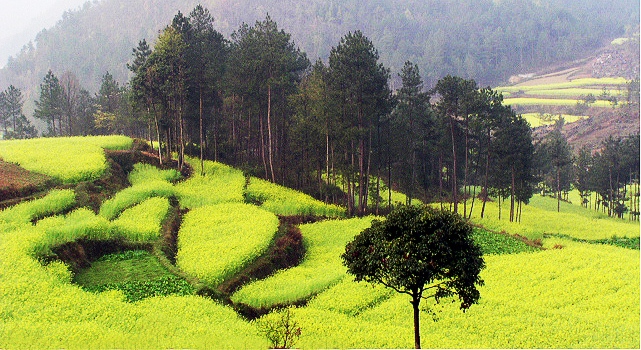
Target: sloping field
{"points": [[570, 93], [569, 295]]}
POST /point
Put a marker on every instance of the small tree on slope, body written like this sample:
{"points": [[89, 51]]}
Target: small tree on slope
{"points": [[419, 251]]}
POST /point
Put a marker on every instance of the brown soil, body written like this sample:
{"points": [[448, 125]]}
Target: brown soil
{"points": [[16, 182]]}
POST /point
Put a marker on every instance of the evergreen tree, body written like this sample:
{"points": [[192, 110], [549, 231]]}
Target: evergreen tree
{"points": [[514, 161], [10, 108], [457, 99], [583, 164], [411, 124], [15, 124], [49, 105], [556, 160], [207, 55], [109, 102], [359, 84], [264, 69]]}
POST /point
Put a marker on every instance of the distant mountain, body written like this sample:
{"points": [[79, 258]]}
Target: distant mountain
{"points": [[20, 23], [487, 40]]}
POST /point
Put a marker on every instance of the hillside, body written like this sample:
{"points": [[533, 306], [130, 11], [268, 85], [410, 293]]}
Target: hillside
{"points": [[169, 260], [565, 90], [485, 40]]}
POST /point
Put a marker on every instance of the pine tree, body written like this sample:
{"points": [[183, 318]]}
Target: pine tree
{"points": [[360, 85], [49, 105]]}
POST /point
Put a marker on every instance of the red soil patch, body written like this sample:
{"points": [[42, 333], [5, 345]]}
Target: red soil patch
{"points": [[18, 182]]}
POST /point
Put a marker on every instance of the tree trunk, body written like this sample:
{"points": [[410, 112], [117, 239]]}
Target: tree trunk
{"points": [[513, 194], [487, 174], [558, 189], [269, 133], [200, 122], [262, 145], [454, 185], [417, 329], [467, 152], [158, 135]]}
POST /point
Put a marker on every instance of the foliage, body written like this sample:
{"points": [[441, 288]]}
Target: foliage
{"points": [[320, 268], [229, 236], [580, 296], [564, 102], [15, 125], [69, 159], [540, 216], [455, 41], [554, 298], [351, 298], [145, 172], [79, 224], [419, 251], [623, 242], [138, 290]]}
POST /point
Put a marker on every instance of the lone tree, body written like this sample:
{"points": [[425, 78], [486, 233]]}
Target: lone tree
{"points": [[420, 251]]}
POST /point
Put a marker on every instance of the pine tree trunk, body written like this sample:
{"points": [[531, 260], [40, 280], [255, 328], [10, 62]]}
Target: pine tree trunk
{"points": [[158, 135], [200, 122], [269, 133], [487, 174], [454, 185], [558, 189], [513, 194]]}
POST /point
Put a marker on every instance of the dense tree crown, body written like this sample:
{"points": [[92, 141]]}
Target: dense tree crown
{"points": [[333, 129], [420, 251]]}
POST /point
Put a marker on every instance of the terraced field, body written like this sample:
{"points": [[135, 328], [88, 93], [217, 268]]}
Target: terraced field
{"points": [[567, 294], [566, 93]]}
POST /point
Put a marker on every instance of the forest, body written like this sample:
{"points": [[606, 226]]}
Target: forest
{"points": [[484, 40], [335, 130]]}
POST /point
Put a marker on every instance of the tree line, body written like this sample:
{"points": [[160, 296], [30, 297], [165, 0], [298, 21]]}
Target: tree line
{"points": [[333, 129], [607, 179], [441, 36]]}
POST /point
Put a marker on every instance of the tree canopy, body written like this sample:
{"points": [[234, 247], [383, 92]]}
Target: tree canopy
{"points": [[420, 251]]}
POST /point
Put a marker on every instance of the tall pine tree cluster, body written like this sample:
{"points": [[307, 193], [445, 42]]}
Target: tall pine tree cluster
{"points": [[333, 129]]}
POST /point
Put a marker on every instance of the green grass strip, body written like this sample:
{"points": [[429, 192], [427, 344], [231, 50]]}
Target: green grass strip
{"points": [[623, 242]]}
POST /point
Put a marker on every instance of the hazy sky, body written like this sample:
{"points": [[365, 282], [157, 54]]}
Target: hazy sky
{"points": [[21, 20]]}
